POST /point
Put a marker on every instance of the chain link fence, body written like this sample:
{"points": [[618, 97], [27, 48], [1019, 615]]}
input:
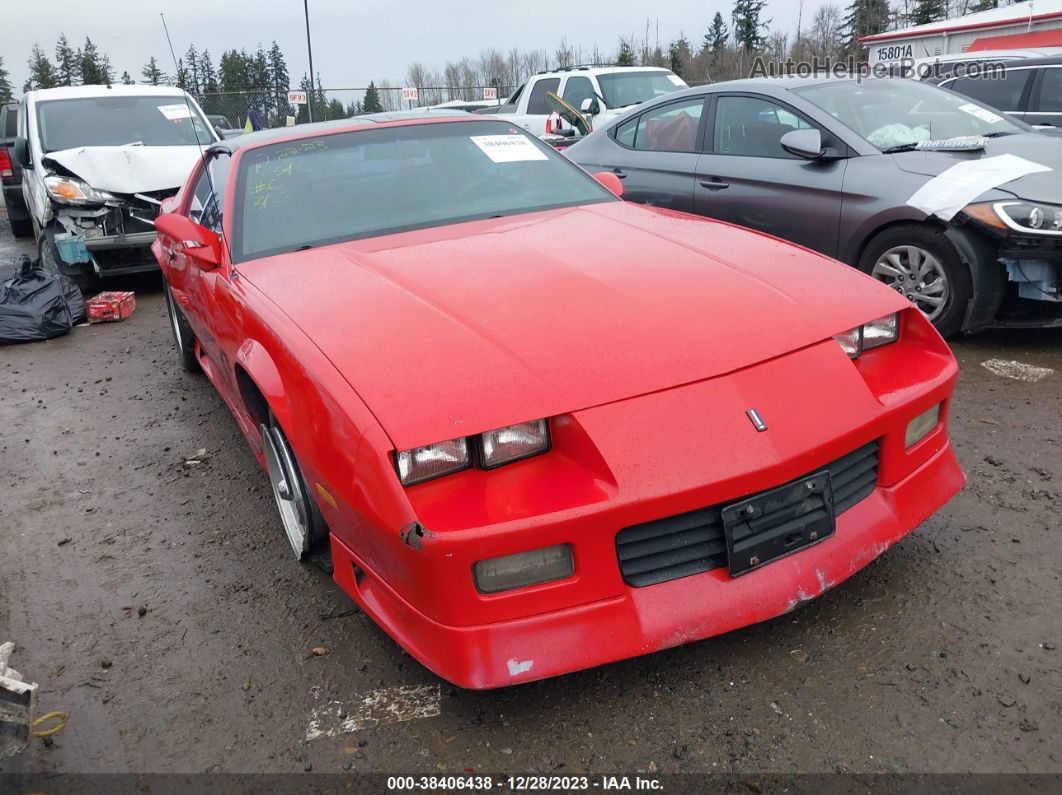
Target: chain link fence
{"points": [[265, 108]]}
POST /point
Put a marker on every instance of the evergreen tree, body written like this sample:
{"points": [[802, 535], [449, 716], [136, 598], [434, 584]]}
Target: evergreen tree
{"points": [[191, 60], [279, 79], [983, 5], [748, 26], [126, 79], [926, 11], [371, 103], [152, 74], [336, 110], [95, 68], [42, 73], [7, 93], [181, 79], [260, 81], [67, 62], [678, 55], [626, 54], [718, 33], [865, 18], [208, 78]]}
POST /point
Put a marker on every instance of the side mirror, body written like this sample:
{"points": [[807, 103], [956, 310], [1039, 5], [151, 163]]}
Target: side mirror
{"points": [[590, 106], [610, 181], [197, 242], [803, 143], [22, 154]]}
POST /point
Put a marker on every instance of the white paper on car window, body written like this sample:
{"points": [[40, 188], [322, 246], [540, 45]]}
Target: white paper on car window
{"points": [[678, 81], [175, 112], [984, 114], [950, 191], [508, 148]]}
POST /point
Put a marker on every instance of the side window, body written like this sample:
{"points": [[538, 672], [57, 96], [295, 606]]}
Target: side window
{"points": [[10, 122], [753, 127], [536, 103], [512, 102], [670, 128], [625, 132], [998, 91], [1051, 91], [208, 198], [576, 90]]}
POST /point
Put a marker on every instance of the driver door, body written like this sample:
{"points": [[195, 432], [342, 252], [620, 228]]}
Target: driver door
{"points": [[747, 178], [197, 291]]}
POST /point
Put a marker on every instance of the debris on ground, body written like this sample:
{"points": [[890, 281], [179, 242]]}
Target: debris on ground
{"points": [[200, 456], [38, 305], [17, 700], [1017, 370], [111, 307]]}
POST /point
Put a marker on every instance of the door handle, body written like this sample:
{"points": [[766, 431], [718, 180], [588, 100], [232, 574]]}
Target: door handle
{"points": [[619, 173], [714, 184]]}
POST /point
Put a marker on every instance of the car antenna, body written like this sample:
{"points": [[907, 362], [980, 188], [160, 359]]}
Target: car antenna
{"points": [[202, 152]]}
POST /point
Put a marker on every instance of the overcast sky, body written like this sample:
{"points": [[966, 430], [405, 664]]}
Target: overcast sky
{"points": [[353, 42]]}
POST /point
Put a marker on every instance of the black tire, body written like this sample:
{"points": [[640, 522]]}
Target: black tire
{"points": [[946, 275], [22, 227], [300, 517], [183, 336]]}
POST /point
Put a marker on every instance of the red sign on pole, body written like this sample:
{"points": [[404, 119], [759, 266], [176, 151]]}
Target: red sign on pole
{"points": [[490, 93]]}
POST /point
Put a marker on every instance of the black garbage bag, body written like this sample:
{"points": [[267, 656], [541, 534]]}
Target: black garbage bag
{"points": [[38, 305]]}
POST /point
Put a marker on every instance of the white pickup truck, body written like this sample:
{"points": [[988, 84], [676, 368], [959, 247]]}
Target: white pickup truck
{"points": [[599, 92]]}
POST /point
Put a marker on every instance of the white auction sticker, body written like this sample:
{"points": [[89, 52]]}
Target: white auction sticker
{"points": [[982, 113], [175, 112], [508, 148]]}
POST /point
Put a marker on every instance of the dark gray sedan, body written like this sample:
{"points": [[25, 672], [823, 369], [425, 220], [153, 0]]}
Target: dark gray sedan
{"points": [[947, 201]]}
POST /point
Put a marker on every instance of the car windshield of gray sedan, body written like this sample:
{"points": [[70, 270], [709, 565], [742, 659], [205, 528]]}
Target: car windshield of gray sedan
{"points": [[343, 186], [893, 114]]}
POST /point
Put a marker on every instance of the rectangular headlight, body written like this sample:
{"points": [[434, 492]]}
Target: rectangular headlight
{"points": [[881, 331], [524, 568], [432, 461], [921, 426], [870, 335], [503, 445]]}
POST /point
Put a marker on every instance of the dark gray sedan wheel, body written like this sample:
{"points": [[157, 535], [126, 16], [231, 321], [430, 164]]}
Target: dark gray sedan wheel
{"points": [[919, 262]]}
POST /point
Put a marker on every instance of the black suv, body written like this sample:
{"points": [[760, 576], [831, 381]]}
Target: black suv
{"points": [[1030, 90], [11, 173]]}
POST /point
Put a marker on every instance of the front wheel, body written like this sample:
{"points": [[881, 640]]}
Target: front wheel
{"points": [[302, 521], [920, 263], [183, 336]]}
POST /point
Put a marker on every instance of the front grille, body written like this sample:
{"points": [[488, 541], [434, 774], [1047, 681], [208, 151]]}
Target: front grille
{"points": [[691, 543]]}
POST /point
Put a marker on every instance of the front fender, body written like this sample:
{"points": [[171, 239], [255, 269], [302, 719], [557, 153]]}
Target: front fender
{"points": [[989, 279], [260, 367]]}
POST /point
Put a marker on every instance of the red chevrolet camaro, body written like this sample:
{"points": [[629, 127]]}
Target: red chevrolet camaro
{"points": [[540, 428]]}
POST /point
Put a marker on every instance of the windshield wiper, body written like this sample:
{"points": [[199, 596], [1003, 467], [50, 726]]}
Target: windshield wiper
{"points": [[998, 134], [901, 148]]}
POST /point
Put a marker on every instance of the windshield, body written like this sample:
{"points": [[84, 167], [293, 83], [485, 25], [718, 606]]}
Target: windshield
{"points": [[119, 120], [894, 113], [344, 186], [621, 89]]}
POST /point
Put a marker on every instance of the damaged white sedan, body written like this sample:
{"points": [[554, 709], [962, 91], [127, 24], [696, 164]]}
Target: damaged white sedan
{"points": [[97, 163]]}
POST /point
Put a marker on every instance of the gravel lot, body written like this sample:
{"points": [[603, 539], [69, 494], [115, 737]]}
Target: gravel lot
{"points": [[158, 604]]}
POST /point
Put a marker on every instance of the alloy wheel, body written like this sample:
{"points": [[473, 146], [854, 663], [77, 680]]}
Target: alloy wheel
{"points": [[915, 273], [287, 488], [171, 306]]}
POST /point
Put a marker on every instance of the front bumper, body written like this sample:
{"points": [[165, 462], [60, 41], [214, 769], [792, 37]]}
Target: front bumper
{"points": [[643, 620]]}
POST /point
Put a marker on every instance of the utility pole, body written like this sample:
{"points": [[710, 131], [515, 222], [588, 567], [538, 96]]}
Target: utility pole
{"points": [[309, 53]]}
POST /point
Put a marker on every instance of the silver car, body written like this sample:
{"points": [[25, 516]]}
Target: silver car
{"points": [[868, 172]]}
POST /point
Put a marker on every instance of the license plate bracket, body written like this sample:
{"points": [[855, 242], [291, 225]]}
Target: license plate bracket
{"points": [[775, 523]]}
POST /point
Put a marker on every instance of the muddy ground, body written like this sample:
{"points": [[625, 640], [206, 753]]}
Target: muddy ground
{"points": [[158, 604]]}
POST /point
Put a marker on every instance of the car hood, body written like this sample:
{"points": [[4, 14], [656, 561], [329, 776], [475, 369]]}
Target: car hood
{"points": [[451, 331], [128, 169], [1040, 148]]}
